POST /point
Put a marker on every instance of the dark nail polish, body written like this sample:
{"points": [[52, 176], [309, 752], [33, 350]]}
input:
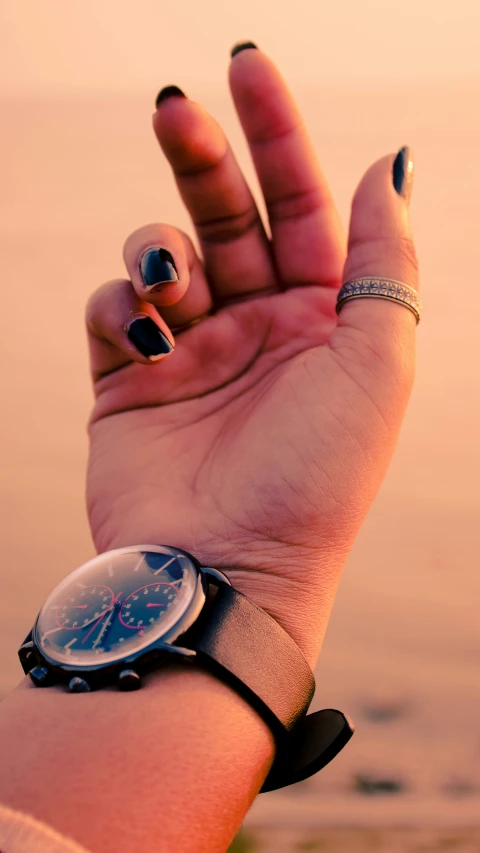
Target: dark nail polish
{"points": [[403, 173], [148, 338], [169, 92], [157, 267], [242, 45]]}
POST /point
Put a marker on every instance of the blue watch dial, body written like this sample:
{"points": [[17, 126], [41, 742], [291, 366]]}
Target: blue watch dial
{"points": [[115, 605]]}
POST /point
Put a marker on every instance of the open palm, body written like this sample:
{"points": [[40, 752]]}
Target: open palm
{"points": [[259, 443]]}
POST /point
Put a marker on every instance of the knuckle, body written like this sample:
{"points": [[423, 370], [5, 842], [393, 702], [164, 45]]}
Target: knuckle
{"points": [[391, 257], [229, 227], [299, 205], [406, 250]]}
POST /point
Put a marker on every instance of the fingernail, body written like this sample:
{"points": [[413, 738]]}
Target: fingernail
{"points": [[169, 92], [403, 173], [157, 267], [148, 338], [242, 45]]}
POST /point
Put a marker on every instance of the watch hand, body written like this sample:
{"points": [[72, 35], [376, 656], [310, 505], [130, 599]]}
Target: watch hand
{"points": [[151, 604], [104, 629], [97, 622], [98, 618], [107, 624]]}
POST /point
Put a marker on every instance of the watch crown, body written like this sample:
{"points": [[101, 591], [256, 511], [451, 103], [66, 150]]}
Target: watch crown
{"points": [[40, 676], [129, 680], [78, 685]]}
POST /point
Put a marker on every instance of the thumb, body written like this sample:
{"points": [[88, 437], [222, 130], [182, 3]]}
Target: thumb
{"points": [[380, 246]]}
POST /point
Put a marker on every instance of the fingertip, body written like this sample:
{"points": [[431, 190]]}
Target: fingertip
{"points": [[391, 172], [402, 173], [151, 341], [123, 328], [170, 91], [157, 263], [378, 209], [186, 131], [247, 66], [159, 277], [166, 295], [240, 46]]}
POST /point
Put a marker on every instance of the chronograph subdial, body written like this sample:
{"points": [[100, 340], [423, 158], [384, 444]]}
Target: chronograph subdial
{"points": [[83, 606], [147, 604]]}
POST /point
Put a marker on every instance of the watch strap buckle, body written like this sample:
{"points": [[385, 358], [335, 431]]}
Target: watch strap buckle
{"points": [[311, 745]]}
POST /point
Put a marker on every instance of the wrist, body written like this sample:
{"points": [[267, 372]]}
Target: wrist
{"points": [[295, 586], [302, 611]]}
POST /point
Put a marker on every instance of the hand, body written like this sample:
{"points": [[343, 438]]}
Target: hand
{"points": [[259, 444]]}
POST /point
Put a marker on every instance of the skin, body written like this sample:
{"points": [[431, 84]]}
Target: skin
{"points": [[258, 445], [272, 422]]}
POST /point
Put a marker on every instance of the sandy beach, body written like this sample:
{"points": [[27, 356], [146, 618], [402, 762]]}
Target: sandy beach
{"points": [[402, 652], [364, 840]]}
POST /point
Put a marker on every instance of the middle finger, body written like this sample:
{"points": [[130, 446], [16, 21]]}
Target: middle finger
{"points": [[308, 242], [236, 251]]}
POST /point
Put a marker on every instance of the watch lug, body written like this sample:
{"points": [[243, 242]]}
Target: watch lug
{"points": [[168, 648], [180, 650], [26, 655], [215, 575], [78, 685], [129, 679]]}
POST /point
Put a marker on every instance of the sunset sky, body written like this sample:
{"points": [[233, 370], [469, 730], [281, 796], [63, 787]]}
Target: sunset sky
{"points": [[56, 46]]}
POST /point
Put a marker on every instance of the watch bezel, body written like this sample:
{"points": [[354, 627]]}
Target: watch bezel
{"points": [[143, 659]]}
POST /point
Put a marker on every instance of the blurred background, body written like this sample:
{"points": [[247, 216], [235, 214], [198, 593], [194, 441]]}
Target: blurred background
{"points": [[80, 170]]}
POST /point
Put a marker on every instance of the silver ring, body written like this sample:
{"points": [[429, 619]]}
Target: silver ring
{"points": [[380, 288]]}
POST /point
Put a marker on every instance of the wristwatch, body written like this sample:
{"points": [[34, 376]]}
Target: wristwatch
{"points": [[132, 610]]}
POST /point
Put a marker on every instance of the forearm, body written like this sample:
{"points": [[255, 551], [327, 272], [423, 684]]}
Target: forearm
{"points": [[173, 766]]}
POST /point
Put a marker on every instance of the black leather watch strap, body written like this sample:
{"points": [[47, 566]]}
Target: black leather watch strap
{"points": [[252, 652], [244, 640]]}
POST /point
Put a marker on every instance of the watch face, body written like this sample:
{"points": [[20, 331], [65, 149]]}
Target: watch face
{"points": [[115, 605]]}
